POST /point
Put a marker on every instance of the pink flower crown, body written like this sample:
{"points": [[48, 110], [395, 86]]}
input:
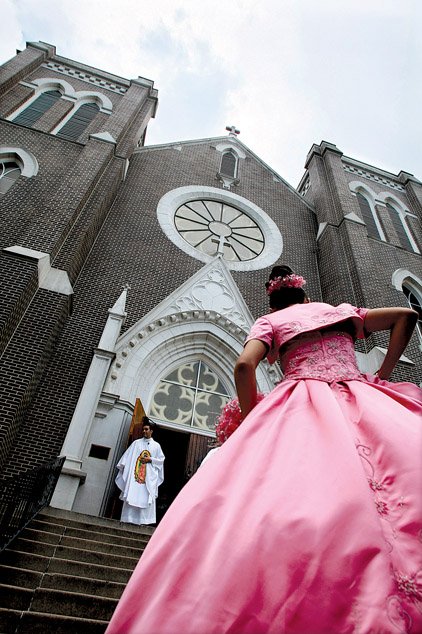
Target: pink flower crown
{"points": [[230, 419], [288, 281]]}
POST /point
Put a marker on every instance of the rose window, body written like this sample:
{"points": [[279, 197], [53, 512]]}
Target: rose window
{"points": [[190, 396], [214, 227]]}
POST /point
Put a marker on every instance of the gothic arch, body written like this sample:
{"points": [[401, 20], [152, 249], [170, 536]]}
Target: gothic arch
{"points": [[401, 276], [357, 187], [26, 160], [161, 345], [398, 206]]}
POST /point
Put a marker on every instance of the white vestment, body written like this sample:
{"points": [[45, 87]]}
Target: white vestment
{"points": [[139, 498]]}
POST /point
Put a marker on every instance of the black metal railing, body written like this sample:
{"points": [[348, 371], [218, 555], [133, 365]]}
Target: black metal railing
{"points": [[23, 496]]}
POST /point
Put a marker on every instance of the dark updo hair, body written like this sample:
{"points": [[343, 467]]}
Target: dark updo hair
{"points": [[286, 295]]}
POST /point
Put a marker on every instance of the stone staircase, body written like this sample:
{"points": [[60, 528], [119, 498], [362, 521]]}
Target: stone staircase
{"points": [[65, 573]]}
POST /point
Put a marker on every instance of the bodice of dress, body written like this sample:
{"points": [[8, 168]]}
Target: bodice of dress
{"points": [[280, 327], [325, 355]]}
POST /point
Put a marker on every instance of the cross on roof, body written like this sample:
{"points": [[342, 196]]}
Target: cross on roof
{"points": [[232, 130]]}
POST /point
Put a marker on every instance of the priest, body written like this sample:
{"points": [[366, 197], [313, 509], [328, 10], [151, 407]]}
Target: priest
{"points": [[141, 471]]}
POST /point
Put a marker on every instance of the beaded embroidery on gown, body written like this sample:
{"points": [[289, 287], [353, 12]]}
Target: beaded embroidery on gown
{"points": [[308, 519]]}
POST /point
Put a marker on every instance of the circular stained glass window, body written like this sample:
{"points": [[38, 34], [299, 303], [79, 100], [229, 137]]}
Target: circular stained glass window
{"points": [[214, 227]]}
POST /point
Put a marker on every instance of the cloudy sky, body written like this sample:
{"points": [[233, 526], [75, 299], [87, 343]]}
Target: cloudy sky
{"points": [[287, 73]]}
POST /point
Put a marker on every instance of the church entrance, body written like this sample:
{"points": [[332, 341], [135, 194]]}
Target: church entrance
{"points": [[184, 453]]}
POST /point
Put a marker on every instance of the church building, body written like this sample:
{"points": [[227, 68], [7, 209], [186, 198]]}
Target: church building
{"points": [[132, 273]]}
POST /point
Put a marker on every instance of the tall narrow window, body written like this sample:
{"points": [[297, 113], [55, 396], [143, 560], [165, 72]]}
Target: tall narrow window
{"points": [[368, 216], [415, 303], [228, 164], [37, 108], [78, 123], [9, 174], [398, 225]]}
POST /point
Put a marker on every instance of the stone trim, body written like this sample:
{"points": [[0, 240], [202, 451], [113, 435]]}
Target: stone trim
{"points": [[85, 76], [25, 159], [49, 278], [373, 175]]}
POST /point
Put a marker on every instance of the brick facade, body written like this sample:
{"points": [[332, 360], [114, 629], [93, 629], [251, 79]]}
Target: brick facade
{"points": [[97, 219]]}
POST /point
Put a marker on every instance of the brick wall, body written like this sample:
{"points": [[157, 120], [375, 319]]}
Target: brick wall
{"points": [[129, 249]]}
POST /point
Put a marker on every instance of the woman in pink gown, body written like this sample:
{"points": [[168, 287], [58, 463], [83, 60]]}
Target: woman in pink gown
{"points": [[308, 519]]}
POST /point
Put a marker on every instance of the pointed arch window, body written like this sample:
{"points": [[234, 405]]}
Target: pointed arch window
{"points": [[37, 108], [9, 174], [400, 226], [78, 122], [228, 165], [414, 300], [190, 396], [368, 216]]}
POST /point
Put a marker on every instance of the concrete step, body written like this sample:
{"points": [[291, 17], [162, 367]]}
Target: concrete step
{"points": [[76, 554], [119, 538], [84, 542], [15, 622], [65, 573], [83, 585], [27, 561], [27, 579], [15, 598], [88, 522], [22, 578], [9, 620], [73, 604], [31, 562]]}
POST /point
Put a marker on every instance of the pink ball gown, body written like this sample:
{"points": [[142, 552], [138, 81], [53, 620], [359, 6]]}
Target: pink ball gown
{"points": [[308, 519]]}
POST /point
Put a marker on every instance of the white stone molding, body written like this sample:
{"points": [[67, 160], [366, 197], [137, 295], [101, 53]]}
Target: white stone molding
{"points": [[159, 346], [171, 201], [228, 181], [211, 288], [230, 144], [44, 85], [372, 175], [26, 160], [412, 281], [78, 433], [355, 218], [357, 187], [85, 76], [49, 278], [321, 228], [50, 83], [88, 96], [371, 362], [106, 138], [83, 97]]}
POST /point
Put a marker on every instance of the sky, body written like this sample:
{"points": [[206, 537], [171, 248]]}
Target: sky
{"points": [[287, 73]]}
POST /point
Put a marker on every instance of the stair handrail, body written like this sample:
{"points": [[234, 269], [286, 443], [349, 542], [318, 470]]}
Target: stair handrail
{"points": [[24, 495]]}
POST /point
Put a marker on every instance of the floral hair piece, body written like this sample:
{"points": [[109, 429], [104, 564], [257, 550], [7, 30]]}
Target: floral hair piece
{"points": [[288, 281], [230, 419]]}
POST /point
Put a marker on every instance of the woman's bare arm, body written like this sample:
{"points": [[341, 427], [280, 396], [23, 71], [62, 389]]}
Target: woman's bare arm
{"points": [[401, 323], [244, 374]]}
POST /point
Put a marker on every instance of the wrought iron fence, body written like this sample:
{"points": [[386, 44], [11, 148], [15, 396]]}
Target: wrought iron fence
{"points": [[23, 496]]}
